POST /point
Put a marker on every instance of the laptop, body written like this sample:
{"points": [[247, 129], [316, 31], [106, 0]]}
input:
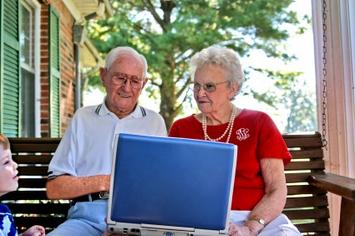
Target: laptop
{"points": [[170, 186]]}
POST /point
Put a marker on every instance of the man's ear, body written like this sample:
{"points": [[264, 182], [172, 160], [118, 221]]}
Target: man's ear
{"points": [[103, 73], [145, 80]]}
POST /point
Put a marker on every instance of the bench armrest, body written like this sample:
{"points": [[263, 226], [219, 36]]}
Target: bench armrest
{"points": [[344, 187], [340, 185]]}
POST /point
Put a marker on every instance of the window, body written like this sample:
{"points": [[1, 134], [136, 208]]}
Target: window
{"points": [[29, 46], [27, 42]]}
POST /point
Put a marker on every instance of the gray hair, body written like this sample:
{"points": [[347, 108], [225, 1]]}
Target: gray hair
{"points": [[224, 57], [117, 52]]}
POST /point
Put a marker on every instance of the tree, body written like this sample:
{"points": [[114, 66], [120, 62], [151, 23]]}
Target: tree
{"points": [[169, 32], [302, 110], [292, 95]]}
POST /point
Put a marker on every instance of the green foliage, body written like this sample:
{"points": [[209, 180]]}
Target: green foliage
{"points": [[300, 104], [168, 33], [94, 82]]}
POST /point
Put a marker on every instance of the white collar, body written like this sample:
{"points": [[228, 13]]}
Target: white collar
{"points": [[138, 112]]}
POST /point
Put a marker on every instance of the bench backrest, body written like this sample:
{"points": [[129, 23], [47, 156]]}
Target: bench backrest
{"points": [[306, 206], [29, 204]]}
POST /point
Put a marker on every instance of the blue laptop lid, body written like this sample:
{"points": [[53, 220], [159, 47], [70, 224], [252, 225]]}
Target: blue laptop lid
{"points": [[172, 181]]}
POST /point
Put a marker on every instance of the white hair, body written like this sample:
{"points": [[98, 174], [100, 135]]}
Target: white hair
{"points": [[224, 57], [117, 52]]}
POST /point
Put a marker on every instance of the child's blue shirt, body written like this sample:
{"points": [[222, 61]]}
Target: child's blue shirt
{"points": [[7, 224]]}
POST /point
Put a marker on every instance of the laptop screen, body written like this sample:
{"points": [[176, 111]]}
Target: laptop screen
{"points": [[171, 182]]}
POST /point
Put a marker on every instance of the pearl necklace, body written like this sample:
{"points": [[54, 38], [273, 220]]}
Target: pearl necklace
{"points": [[228, 129]]}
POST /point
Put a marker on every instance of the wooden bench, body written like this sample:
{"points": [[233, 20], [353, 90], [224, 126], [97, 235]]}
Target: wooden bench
{"points": [[29, 204], [308, 184], [307, 203]]}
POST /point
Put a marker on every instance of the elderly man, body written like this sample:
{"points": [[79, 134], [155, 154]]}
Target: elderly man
{"points": [[80, 169]]}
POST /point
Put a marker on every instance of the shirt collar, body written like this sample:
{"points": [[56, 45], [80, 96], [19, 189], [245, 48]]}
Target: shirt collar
{"points": [[102, 110]]}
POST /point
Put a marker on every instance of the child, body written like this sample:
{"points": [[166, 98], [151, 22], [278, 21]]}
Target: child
{"points": [[9, 183]]}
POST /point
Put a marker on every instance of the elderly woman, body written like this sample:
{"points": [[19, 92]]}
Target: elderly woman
{"points": [[260, 188]]}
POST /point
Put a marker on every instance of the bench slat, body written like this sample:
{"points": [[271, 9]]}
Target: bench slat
{"points": [[32, 183], [303, 140], [36, 208], [26, 195], [314, 227], [296, 177], [310, 153], [31, 148], [34, 144], [310, 213], [32, 159], [317, 201], [33, 170], [306, 165], [304, 189]]}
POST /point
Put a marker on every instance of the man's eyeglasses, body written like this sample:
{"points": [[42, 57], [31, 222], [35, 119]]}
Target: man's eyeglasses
{"points": [[208, 87], [120, 79]]}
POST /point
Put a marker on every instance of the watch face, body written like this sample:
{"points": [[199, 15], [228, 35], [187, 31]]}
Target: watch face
{"points": [[261, 221]]}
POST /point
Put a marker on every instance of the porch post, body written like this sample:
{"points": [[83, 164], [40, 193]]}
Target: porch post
{"points": [[340, 78]]}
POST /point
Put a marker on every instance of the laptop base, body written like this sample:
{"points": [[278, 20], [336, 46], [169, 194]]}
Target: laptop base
{"points": [[156, 232]]}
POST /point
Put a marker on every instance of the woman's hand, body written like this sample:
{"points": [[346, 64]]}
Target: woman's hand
{"points": [[240, 230], [35, 230]]}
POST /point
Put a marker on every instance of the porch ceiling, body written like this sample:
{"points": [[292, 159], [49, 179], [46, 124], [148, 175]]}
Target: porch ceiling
{"points": [[89, 56], [86, 9], [83, 10]]}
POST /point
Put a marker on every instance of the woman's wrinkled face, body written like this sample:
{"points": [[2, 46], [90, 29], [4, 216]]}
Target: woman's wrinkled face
{"points": [[124, 83], [8, 172], [212, 91]]}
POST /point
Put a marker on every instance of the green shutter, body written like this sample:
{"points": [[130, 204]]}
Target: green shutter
{"points": [[54, 58], [9, 68]]}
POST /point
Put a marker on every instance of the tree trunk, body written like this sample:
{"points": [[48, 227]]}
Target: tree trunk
{"points": [[168, 101]]}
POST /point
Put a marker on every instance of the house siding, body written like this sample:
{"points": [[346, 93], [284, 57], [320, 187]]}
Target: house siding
{"points": [[51, 117], [67, 65]]}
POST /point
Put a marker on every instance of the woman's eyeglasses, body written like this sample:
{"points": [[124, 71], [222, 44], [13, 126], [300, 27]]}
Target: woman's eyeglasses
{"points": [[208, 87], [120, 79]]}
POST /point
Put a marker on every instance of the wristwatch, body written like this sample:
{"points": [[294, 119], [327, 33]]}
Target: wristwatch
{"points": [[259, 220]]}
